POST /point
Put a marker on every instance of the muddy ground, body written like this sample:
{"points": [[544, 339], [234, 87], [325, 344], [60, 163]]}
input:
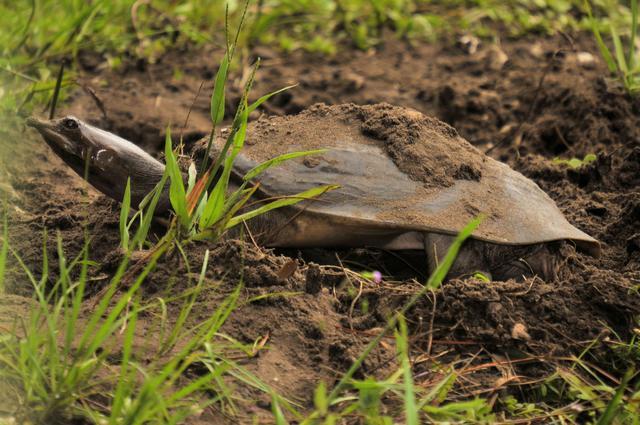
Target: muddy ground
{"points": [[547, 99]]}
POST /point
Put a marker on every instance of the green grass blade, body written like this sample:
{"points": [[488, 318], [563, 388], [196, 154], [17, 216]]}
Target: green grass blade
{"points": [[193, 174], [151, 201], [631, 60], [320, 398], [89, 335], [77, 297], [237, 201], [185, 311], [439, 391], [619, 51], [279, 203], [259, 169], [96, 336], [240, 118], [434, 281], [277, 412], [177, 193], [611, 411], [124, 217], [4, 250], [190, 389], [215, 207], [122, 388], [266, 97], [604, 50], [402, 342], [218, 96]]}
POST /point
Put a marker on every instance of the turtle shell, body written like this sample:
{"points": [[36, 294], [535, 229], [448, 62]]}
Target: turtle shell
{"points": [[402, 171]]}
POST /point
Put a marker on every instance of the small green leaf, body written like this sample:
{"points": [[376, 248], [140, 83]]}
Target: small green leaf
{"points": [[481, 276]]}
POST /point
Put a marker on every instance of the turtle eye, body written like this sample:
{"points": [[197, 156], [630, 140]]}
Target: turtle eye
{"points": [[70, 123]]}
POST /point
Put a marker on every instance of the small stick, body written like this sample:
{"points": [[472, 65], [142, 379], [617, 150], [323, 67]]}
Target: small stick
{"points": [[431, 320], [92, 93], [186, 120]]}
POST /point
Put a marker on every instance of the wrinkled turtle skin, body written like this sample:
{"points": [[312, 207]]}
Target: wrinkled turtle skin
{"points": [[407, 182]]}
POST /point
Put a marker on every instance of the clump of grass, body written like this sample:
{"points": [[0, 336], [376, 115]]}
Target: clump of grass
{"points": [[623, 61], [207, 207], [320, 26], [58, 363], [599, 402], [207, 210]]}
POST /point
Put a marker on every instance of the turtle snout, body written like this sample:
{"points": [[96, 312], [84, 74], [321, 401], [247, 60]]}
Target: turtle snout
{"points": [[35, 122], [44, 127]]}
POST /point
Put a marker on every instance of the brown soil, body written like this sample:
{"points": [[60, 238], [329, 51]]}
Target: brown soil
{"points": [[542, 103]]}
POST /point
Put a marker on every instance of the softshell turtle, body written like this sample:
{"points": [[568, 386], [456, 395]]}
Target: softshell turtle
{"points": [[407, 182]]}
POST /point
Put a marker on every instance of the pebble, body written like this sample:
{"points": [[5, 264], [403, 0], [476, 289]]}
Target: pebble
{"points": [[469, 44], [519, 331], [536, 50], [495, 58], [586, 60]]}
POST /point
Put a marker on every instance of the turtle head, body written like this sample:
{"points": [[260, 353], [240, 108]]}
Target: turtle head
{"points": [[66, 138], [105, 159]]}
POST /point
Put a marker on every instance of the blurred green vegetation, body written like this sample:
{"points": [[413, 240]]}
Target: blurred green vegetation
{"points": [[36, 34]]}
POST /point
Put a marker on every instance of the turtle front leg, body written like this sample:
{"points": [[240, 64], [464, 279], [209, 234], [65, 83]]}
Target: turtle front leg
{"points": [[470, 259], [521, 262], [499, 262]]}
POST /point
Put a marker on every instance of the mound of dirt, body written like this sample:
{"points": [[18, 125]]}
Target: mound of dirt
{"points": [[446, 157], [425, 148]]}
